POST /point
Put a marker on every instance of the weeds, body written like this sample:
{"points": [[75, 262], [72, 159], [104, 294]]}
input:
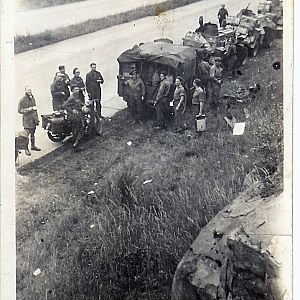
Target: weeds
{"points": [[124, 240], [29, 42]]}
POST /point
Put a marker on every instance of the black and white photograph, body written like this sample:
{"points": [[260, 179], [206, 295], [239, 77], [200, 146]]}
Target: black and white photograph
{"points": [[146, 150]]}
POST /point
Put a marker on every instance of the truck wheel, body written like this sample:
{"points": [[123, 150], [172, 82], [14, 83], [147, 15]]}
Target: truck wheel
{"points": [[253, 51], [57, 137]]}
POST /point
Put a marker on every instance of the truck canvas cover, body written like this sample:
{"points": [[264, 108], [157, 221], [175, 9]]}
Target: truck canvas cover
{"points": [[162, 53]]}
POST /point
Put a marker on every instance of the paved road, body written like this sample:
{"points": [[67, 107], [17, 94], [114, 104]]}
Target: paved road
{"points": [[37, 67], [38, 20]]}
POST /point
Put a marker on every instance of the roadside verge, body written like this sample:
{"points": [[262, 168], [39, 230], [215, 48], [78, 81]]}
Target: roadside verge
{"points": [[24, 43]]}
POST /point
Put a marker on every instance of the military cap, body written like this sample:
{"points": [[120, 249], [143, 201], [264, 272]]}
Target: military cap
{"points": [[218, 59], [163, 72]]}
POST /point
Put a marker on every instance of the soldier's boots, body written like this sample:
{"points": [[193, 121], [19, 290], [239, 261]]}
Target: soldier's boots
{"points": [[33, 146], [27, 152]]}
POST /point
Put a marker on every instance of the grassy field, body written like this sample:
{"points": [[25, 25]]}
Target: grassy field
{"points": [[96, 231], [28, 42]]}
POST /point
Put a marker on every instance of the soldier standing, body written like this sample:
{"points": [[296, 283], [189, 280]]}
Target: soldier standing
{"points": [[27, 107], [58, 92], [179, 103], [75, 114], [136, 92], [222, 15], [161, 102], [77, 81], [203, 73], [231, 57], [93, 82], [200, 29], [198, 98], [215, 82], [66, 80]]}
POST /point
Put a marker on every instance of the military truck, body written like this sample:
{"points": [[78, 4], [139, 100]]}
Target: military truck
{"points": [[252, 31], [213, 42], [149, 59], [274, 10]]}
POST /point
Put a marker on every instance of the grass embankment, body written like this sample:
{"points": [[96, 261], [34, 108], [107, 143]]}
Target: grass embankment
{"points": [[31, 4], [28, 42], [124, 240]]}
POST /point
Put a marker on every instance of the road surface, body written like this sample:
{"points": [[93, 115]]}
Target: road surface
{"points": [[38, 20], [37, 67]]}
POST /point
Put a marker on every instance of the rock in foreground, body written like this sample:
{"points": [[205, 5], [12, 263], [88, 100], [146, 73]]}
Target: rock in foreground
{"points": [[243, 253]]}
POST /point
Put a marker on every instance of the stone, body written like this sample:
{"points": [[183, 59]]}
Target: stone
{"points": [[239, 254]]}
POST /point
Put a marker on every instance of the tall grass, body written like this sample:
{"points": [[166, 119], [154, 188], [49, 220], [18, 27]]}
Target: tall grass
{"points": [[28, 42], [124, 240]]}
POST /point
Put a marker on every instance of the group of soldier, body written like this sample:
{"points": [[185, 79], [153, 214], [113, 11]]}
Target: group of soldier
{"points": [[206, 88], [67, 94]]}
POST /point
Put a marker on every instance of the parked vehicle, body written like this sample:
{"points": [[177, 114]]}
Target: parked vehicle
{"points": [[212, 43], [59, 127], [274, 10], [252, 31], [149, 59]]}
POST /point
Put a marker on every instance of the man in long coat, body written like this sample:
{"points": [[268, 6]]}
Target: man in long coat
{"points": [[93, 82], [27, 108]]}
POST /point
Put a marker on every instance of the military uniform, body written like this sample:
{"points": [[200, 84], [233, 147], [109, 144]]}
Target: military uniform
{"points": [[59, 96], [93, 87], [203, 70], [222, 15], [162, 103], [136, 90], [198, 98], [76, 116], [77, 81], [30, 117], [178, 114], [215, 85], [231, 58]]}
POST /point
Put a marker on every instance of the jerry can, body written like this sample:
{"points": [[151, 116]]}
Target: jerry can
{"points": [[200, 123]]}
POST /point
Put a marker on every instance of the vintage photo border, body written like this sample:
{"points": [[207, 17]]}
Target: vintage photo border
{"points": [[9, 101]]}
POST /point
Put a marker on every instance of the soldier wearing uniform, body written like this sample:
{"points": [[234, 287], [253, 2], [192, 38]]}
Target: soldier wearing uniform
{"points": [[200, 29], [179, 103], [136, 92], [58, 92], [27, 107], [222, 15], [161, 102], [66, 80], [215, 82], [76, 116], [93, 82], [203, 73], [77, 81], [231, 57], [198, 98]]}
